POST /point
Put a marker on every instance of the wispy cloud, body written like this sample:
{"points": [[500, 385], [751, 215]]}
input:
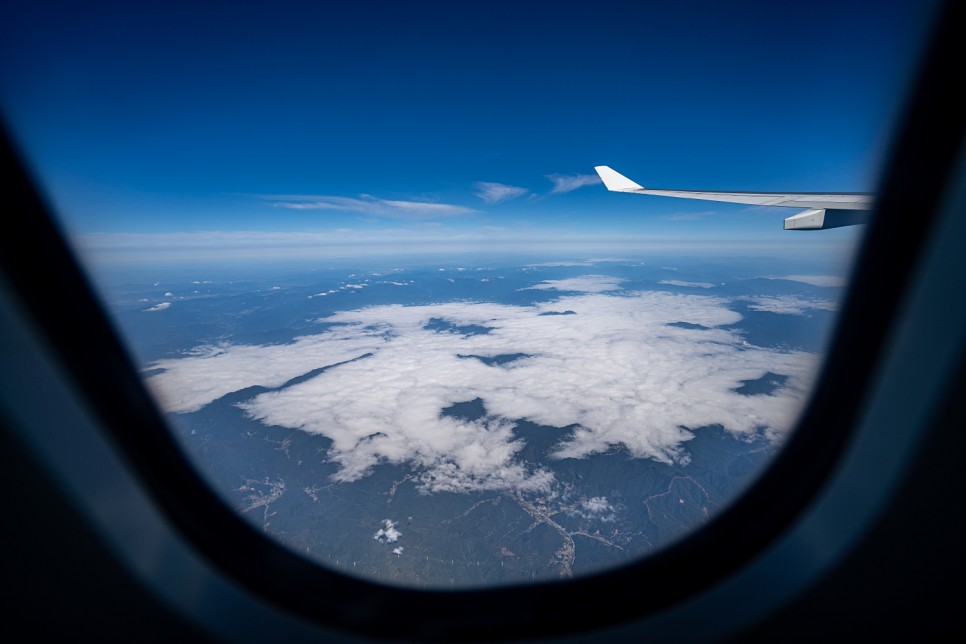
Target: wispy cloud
{"points": [[614, 372], [831, 281], [496, 192], [687, 284], [571, 182], [787, 304], [582, 284], [159, 307], [371, 206], [571, 263]]}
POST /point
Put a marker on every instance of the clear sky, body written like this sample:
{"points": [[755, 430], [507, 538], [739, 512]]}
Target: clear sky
{"points": [[348, 121]]}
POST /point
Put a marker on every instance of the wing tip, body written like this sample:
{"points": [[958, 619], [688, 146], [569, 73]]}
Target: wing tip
{"points": [[615, 181]]}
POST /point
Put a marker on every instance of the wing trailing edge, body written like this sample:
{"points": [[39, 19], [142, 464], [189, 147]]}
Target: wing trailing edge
{"points": [[821, 210]]}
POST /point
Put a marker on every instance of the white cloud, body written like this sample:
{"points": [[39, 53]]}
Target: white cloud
{"points": [[210, 372], [690, 284], [397, 551], [582, 284], [615, 370], [787, 304], [159, 307], [388, 533], [597, 505], [351, 287], [496, 192], [369, 205], [571, 182], [595, 508], [814, 280]]}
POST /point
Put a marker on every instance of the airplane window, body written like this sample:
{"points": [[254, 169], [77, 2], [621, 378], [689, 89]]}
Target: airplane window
{"points": [[392, 313]]}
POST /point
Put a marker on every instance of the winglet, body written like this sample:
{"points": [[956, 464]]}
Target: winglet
{"points": [[615, 181]]}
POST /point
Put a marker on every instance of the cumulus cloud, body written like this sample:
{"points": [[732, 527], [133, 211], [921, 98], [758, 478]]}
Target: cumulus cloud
{"points": [[787, 304], [596, 508], [815, 280], [159, 307], [689, 284], [388, 534], [344, 287], [597, 505], [582, 284], [369, 205], [571, 182], [614, 373], [496, 192]]}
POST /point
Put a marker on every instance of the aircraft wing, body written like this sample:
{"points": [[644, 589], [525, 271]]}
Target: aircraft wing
{"points": [[822, 210]]}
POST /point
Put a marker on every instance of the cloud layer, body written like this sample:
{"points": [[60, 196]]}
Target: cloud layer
{"points": [[612, 373]]}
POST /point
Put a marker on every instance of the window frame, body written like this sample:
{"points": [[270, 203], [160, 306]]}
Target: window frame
{"points": [[112, 396]]}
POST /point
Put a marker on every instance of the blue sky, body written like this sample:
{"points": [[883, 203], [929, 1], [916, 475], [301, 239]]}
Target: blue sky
{"points": [[448, 121]]}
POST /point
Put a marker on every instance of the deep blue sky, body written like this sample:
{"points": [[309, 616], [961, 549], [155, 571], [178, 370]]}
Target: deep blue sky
{"points": [[350, 117]]}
